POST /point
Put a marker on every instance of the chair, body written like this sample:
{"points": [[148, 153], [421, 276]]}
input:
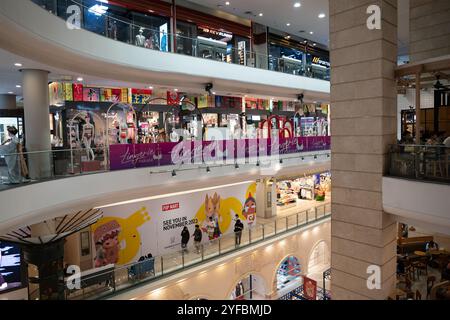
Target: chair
{"points": [[430, 284], [420, 265], [418, 295]]}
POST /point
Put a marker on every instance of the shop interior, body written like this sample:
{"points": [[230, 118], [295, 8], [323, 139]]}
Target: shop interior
{"points": [[423, 264], [249, 288], [297, 194], [289, 275]]}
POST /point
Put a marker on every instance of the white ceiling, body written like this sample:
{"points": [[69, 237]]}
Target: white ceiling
{"points": [[277, 13]]}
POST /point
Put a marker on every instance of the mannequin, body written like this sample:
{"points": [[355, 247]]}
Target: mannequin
{"points": [[174, 137], [13, 160], [140, 38], [87, 135]]}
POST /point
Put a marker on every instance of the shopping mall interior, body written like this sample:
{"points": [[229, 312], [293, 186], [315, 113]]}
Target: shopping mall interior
{"points": [[224, 150]]}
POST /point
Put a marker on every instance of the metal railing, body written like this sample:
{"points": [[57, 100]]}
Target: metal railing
{"points": [[124, 30], [128, 276], [420, 162], [17, 169]]}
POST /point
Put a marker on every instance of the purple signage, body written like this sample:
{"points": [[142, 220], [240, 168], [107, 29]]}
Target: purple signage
{"points": [[127, 156]]}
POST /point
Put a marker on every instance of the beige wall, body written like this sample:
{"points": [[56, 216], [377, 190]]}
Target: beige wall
{"points": [[215, 281], [429, 29]]}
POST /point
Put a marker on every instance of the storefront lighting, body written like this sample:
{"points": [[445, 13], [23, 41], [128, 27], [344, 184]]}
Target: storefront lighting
{"points": [[174, 173]]}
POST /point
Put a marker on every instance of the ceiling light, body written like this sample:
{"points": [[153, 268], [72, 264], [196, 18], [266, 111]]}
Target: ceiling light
{"points": [[151, 88], [18, 64], [98, 10], [227, 3], [18, 86], [79, 79], [176, 90], [297, 5], [322, 15], [288, 24], [10, 92], [311, 32], [261, 14], [214, 92], [315, 44]]}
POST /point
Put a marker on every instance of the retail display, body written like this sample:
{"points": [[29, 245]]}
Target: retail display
{"points": [[289, 271]]}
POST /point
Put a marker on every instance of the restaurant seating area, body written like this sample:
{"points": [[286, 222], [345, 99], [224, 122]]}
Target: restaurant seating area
{"points": [[423, 272]]}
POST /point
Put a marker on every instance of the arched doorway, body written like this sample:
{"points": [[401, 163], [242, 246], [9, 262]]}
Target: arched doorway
{"points": [[251, 287], [289, 274], [319, 261]]}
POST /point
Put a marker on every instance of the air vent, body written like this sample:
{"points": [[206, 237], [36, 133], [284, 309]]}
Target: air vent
{"points": [[302, 31], [248, 12]]}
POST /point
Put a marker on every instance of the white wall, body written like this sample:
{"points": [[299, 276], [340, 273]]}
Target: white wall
{"points": [[417, 201]]}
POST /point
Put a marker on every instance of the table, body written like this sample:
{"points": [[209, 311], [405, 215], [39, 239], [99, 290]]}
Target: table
{"points": [[420, 253]]}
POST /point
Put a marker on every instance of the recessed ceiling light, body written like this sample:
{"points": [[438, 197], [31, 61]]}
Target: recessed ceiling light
{"points": [[311, 32], [315, 44], [176, 90], [227, 3], [214, 93], [79, 79], [150, 87], [297, 5], [322, 15], [288, 24], [18, 64], [10, 92], [18, 86], [261, 14]]}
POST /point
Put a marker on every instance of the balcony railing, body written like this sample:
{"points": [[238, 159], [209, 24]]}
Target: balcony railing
{"points": [[114, 280], [121, 29], [420, 162], [23, 168]]}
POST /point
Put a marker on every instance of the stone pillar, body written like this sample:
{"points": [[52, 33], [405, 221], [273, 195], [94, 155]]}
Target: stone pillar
{"points": [[8, 101], [429, 29], [363, 99], [37, 124]]}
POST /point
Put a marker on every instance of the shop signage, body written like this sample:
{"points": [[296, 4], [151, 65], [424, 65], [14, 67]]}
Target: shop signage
{"points": [[217, 33], [131, 230], [128, 156], [309, 288], [321, 62]]}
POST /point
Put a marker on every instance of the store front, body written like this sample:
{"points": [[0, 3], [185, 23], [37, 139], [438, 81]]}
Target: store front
{"points": [[249, 288], [289, 275], [301, 193]]}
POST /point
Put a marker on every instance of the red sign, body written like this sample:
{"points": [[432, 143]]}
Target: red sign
{"points": [[309, 288], [173, 98], [170, 206], [77, 92]]}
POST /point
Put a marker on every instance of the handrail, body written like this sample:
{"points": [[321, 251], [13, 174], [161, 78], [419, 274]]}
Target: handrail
{"points": [[161, 270], [301, 69]]}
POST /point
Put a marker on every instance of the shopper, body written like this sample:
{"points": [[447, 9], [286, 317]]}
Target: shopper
{"points": [[9, 149], [197, 238], [238, 227], [185, 235]]}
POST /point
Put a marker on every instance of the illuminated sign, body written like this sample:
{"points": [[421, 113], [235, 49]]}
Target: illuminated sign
{"points": [[320, 62], [217, 33]]}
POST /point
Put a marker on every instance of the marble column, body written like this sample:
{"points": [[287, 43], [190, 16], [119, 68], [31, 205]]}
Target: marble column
{"points": [[37, 123], [363, 100]]}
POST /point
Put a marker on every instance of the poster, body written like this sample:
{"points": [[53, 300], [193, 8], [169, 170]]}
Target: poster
{"points": [[173, 98], [68, 91], [141, 96], [129, 231], [91, 94], [309, 288], [77, 92], [163, 37], [56, 94], [10, 272]]}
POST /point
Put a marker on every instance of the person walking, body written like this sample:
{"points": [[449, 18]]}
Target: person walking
{"points": [[238, 227], [197, 238], [185, 235]]}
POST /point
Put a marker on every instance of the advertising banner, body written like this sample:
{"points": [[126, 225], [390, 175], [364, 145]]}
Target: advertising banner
{"points": [[126, 156], [127, 232], [309, 288]]}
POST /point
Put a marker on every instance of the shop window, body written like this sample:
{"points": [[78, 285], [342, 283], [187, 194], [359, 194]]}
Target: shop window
{"points": [[186, 38], [94, 19], [151, 32]]}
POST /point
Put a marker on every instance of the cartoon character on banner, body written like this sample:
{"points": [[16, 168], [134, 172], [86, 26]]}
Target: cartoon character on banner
{"points": [[3, 283], [249, 210], [211, 223], [110, 232]]}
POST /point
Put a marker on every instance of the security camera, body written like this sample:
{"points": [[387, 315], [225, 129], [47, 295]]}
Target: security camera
{"points": [[209, 87]]}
